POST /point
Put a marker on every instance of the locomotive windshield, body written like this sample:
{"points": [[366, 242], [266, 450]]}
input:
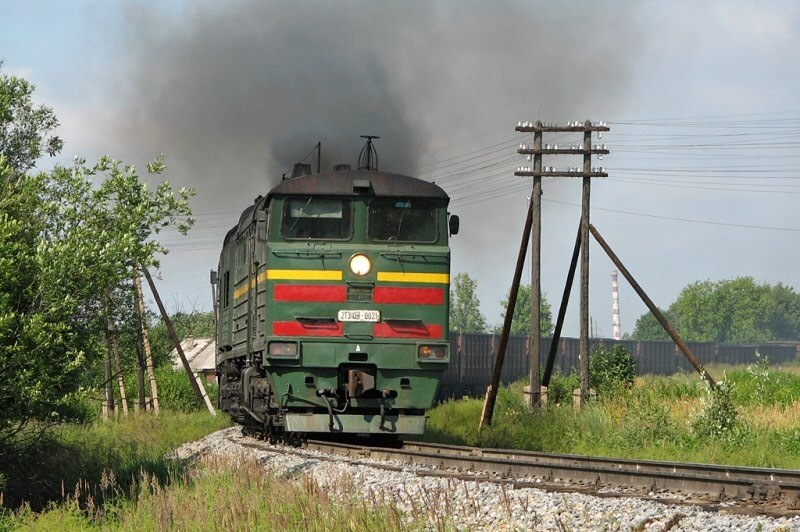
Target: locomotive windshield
{"points": [[402, 220], [316, 218]]}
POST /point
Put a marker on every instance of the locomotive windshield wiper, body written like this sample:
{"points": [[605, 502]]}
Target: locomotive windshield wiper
{"points": [[400, 224], [302, 212]]}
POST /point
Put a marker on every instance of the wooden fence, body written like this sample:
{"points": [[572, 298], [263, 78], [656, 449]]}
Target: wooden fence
{"points": [[472, 358]]}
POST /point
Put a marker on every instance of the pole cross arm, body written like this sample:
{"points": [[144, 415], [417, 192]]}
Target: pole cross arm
{"points": [[562, 151], [560, 129], [525, 173]]}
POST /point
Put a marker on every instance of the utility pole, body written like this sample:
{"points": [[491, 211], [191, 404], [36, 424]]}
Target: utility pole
{"points": [[534, 391], [491, 390], [537, 172], [193, 381]]}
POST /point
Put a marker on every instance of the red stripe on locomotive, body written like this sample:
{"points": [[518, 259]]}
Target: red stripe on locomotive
{"points": [[408, 296], [296, 328], [310, 293], [406, 330]]}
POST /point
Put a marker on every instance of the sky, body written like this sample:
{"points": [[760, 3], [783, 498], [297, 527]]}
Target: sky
{"points": [[700, 98]]}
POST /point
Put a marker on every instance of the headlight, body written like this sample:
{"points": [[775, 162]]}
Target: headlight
{"points": [[360, 264], [432, 352], [283, 349]]}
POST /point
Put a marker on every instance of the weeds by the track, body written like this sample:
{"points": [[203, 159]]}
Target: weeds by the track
{"points": [[754, 421], [231, 493], [70, 454]]}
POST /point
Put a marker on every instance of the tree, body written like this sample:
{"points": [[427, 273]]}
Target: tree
{"points": [[648, 328], [465, 313], [65, 245], [25, 130], [784, 316], [732, 310], [521, 322]]}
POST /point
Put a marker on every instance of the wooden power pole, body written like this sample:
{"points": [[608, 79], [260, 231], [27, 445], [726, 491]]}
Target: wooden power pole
{"points": [[586, 172], [193, 380], [491, 390]]}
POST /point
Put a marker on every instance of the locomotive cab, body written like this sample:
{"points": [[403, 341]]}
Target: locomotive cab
{"points": [[333, 305]]}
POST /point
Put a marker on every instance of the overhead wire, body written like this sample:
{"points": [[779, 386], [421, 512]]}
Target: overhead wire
{"points": [[481, 173]]}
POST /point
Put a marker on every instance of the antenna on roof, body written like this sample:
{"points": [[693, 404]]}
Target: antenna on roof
{"points": [[368, 158]]}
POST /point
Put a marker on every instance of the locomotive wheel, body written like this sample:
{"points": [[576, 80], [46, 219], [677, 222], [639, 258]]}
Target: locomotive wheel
{"points": [[295, 439], [274, 437]]}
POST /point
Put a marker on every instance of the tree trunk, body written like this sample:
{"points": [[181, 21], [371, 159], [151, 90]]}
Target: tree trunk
{"points": [[141, 403], [108, 403], [113, 345], [146, 344]]}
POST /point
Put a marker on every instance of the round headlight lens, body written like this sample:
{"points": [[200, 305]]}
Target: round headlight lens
{"points": [[360, 264]]}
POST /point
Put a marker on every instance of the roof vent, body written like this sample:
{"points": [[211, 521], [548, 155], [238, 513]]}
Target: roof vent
{"points": [[301, 169], [341, 167], [361, 186]]}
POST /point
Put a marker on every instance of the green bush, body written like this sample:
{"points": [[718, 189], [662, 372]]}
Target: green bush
{"points": [[175, 393], [719, 415], [760, 384], [611, 369], [455, 421], [561, 387]]}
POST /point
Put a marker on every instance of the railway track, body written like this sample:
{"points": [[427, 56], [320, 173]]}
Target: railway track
{"points": [[764, 491]]}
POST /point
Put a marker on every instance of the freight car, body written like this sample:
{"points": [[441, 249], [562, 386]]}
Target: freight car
{"points": [[332, 304]]}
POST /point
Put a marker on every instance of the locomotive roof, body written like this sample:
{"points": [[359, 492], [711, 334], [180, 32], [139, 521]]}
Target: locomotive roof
{"points": [[343, 183]]}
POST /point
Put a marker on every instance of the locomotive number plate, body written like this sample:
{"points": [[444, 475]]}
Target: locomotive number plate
{"points": [[359, 315]]}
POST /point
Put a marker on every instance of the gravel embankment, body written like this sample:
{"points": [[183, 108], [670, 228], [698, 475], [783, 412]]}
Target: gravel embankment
{"points": [[482, 505]]}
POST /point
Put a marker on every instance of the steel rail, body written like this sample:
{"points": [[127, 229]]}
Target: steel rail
{"points": [[719, 482]]}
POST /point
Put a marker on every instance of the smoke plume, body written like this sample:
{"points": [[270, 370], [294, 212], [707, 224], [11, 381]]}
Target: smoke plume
{"points": [[234, 93]]}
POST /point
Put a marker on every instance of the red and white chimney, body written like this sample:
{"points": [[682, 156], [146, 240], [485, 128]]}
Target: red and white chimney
{"points": [[616, 333]]}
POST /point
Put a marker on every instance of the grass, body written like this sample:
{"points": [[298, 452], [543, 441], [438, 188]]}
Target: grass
{"points": [[666, 418], [117, 476], [223, 494], [70, 454]]}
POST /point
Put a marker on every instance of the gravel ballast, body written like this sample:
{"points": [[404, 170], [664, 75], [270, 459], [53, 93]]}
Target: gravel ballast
{"points": [[471, 505]]}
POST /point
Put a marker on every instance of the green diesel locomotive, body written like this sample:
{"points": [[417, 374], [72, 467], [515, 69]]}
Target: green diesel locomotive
{"points": [[332, 304]]}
